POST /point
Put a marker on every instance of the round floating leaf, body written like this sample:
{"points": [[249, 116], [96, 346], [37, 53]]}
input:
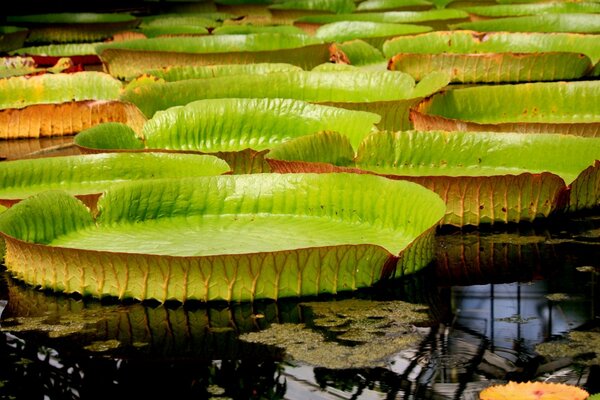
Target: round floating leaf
{"points": [[469, 42], [73, 27], [79, 53], [374, 33], [567, 107], [358, 53], [12, 37], [131, 58], [334, 6], [221, 126], [225, 238], [386, 5], [514, 10], [388, 94], [183, 72], [577, 23], [21, 92], [92, 174], [483, 177]]}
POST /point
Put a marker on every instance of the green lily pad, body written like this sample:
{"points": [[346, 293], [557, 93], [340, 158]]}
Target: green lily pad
{"points": [[21, 92], [386, 93], [86, 176], [333, 6], [73, 27], [437, 19], [131, 58], [61, 104], [248, 29], [515, 10], [12, 37], [374, 33], [391, 5], [183, 30], [204, 20], [561, 107], [20, 66], [183, 72], [238, 130], [483, 177], [357, 53], [231, 238], [79, 53], [495, 57], [575, 23]]}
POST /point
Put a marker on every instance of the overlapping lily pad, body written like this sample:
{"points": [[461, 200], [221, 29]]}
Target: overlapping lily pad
{"points": [[12, 37], [224, 238], [61, 104], [183, 72], [73, 27], [20, 66], [386, 93], [392, 5], [483, 177], [437, 19], [575, 23], [515, 10], [495, 57], [237, 130], [79, 53], [86, 176], [357, 53], [374, 33], [131, 58], [561, 107], [290, 10]]}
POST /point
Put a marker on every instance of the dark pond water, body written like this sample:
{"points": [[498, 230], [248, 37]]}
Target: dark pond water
{"points": [[490, 297]]}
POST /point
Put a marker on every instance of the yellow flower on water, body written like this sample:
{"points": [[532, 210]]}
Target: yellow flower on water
{"points": [[533, 391]]}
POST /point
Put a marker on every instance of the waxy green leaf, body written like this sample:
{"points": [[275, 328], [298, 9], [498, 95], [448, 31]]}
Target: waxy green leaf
{"points": [[131, 58], [514, 10], [225, 238], [221, 126], [482, 177], [495, 57], [73, 27], [390, 5], [386, 93], [562, 107], [183, 72], [90, 175], [575, 23], [374, 33], [12, 37]]}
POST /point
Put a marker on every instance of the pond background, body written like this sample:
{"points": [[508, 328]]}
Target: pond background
{"points": [[492, 295]]}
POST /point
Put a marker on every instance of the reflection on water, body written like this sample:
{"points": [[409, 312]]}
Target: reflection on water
{"points": [[491, 298]]}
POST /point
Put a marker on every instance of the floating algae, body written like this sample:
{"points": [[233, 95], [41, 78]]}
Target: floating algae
{"points": [[103, 346], [557, 297], [366, 333], [55, 329], [582, 346]]}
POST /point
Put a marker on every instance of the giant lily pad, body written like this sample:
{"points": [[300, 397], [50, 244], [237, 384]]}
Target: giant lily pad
{"points": [[374, 33], [224, 238], [576, 23], [86, 176], [482, 177], [21, 66], [357, 53], [131, 58], [437, 19], [79, 53], [183, 72], [495, 57], [237, 130], [12, 37], [73, 27], [386, 93], [391, 5], [562, 107], [290, 10], [61, 104], [515, 10]]}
